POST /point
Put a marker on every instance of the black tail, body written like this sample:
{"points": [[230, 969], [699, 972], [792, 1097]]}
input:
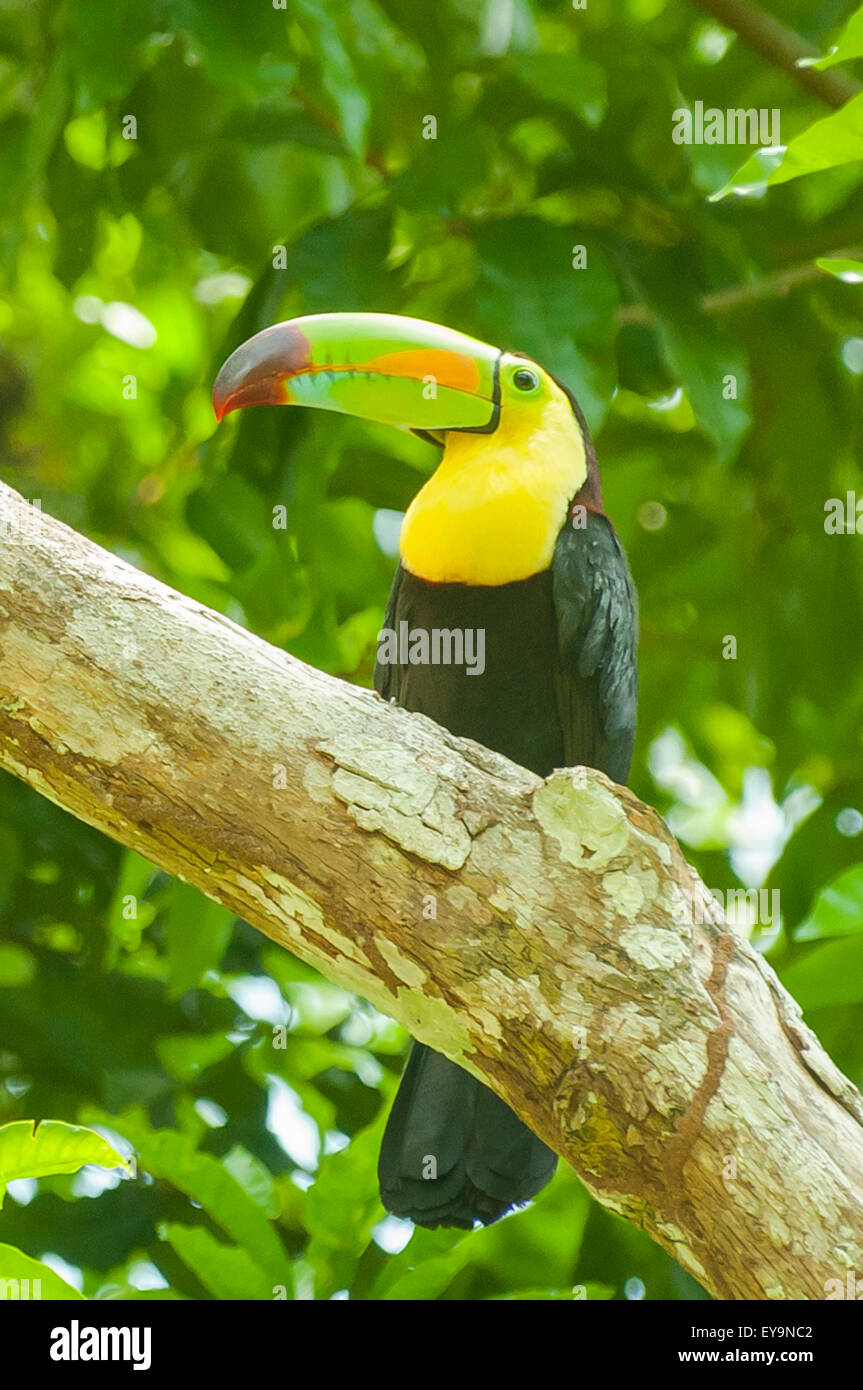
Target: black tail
{"points": [[453, 1153]]}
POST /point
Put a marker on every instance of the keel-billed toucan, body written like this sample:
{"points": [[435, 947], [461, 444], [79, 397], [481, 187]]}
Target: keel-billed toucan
{"points": [[507, 538]]}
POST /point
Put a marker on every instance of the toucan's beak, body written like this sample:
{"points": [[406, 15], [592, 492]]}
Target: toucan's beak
{"points": [[399, 371]]}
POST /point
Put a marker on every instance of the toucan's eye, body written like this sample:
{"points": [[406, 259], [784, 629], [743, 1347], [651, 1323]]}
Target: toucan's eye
{"points": [[524, 380]]}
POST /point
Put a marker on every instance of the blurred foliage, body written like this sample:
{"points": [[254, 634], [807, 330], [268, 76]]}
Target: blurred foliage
{"points": [[176, 174]]}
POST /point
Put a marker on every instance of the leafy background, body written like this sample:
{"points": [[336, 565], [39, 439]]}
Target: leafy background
{"points": [[260, 127]]}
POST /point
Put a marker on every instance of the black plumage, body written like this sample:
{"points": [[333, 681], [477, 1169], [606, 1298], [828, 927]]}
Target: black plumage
{"points": [[558, 690]]}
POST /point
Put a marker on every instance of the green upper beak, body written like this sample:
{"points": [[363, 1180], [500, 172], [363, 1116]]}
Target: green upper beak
{"points": [[399, 371]]}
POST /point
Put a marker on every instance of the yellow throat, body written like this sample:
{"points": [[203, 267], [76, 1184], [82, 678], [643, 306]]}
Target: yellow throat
{"points": [[493, 510]]}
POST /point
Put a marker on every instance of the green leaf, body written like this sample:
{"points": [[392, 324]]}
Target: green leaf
{"points": [[838, 909], [85, 138], [41, 1281], [834, 140], [341, 1209], [306, 1058], [226, 1271], [338, 76], [232, 517], [849, 45], [197, 931], [568, 80], [254, 1177], [427, 1275], [272, 124], [172, 1156], [186, 1055], [17, 966], [29, 1149], [424, 1248], [104, 40], [128, 914], [705, 360], [47, 120], [532, 298], [831, 974], [849, 271], [343, 262]]}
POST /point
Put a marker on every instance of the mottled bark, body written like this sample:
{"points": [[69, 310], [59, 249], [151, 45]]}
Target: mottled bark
{"points": [[659, 1056]]}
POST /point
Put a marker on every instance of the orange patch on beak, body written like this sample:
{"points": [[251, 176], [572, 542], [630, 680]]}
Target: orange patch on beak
{"points": [[444, 367], [439, 365]]}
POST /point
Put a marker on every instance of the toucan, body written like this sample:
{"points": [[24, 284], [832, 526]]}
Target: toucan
{"points": [[508, 538]]}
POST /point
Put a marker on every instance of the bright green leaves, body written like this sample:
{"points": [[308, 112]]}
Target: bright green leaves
{"points": [[832, 141], [342, 1207], [848, 271], [193, 930], [829, 976], [17, 966], [186, 1055], [425, 1269], [87, 140], [752, 178], [31, 1150], [832, 973], [838, 909], [24, 1278], [848, 46], [252, 1262], [224, 1271]]}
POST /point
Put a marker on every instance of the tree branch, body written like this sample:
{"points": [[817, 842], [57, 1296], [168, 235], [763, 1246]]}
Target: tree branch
{"points": [[776, 284], [782, 47], [659, 1056]]}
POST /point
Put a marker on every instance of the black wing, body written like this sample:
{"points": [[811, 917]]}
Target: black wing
{"points": [[389, 675], [597, 631]]}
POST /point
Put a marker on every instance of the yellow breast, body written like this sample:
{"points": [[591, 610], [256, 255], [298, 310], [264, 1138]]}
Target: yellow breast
{"points": [[493, 510]]}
